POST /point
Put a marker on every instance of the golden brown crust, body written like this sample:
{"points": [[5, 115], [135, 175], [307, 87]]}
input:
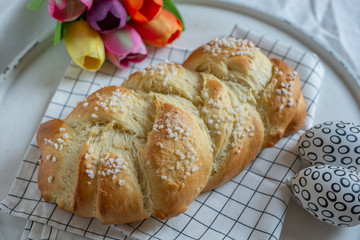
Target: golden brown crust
{"points": [[281, 101], [239, 156], [50, 137], [151, 146], [178, 161], [299, 118], [105, 105], [216, 101], [85, 193], [119, 199]]}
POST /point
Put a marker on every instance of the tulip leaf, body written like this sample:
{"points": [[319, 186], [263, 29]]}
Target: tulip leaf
{"points": [[170, 6], [35, 4], [58, 34]]}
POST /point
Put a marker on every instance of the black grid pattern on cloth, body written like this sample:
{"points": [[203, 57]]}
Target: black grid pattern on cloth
{"points": [[250, 206], [34, 230]]}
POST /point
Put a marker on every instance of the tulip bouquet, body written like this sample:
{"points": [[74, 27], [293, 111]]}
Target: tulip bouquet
{"points": [[114, 29]]}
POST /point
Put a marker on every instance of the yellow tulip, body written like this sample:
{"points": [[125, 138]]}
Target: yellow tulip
{"points": [[84, 45]]}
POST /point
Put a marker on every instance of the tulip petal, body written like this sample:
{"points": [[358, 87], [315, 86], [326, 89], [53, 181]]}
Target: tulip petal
{"points": [[84, 45], [68, 10], [107, 15], [170, 6], [161, 31], [143, 10], [124, 46], [88, 3]]}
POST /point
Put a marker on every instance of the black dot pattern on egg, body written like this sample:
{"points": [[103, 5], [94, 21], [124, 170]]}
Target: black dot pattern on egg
{"points": [[333, 143], [329, 193]]}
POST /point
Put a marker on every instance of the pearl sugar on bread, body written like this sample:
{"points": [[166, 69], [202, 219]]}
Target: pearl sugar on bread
{"points": [[168, 133]]}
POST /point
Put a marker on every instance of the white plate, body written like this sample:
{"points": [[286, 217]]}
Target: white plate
{"points": [[36, 77]]}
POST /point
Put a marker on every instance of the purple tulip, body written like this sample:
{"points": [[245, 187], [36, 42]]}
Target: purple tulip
{"points": [[68, 10], [124, 46], [107, 15]]}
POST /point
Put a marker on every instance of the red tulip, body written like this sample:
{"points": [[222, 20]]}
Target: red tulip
{"points": [[161, 31], [143, 10]]}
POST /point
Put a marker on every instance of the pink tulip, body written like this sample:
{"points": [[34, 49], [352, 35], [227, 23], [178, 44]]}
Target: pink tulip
{"points": [[124, 46], [68, 10], [106, 15]]}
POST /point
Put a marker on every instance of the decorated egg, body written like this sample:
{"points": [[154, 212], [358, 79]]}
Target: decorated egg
{"points": [[330, 193], [333, 143]]}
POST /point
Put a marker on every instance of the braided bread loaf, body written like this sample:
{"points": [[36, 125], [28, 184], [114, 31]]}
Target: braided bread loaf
{"points": [[168, 133]]}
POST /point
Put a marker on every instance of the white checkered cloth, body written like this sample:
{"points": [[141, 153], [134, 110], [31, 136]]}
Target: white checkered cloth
{"points": [[250, 206]]}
